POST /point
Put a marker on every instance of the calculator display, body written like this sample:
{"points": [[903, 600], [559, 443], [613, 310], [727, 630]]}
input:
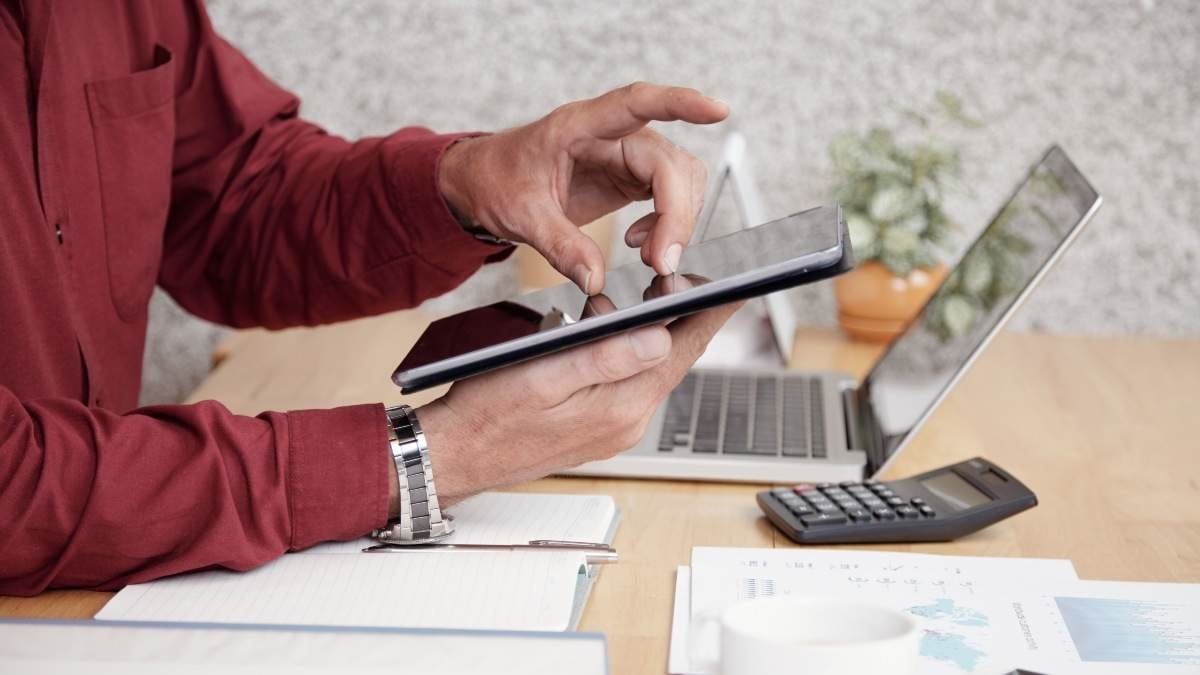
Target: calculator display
{"points": [[955, 491]]}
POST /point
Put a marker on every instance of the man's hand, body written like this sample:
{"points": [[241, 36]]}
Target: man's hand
{"points": [[537, 183], [559, 411]]}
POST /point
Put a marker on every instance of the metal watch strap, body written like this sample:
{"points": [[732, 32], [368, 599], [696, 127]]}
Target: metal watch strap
{"points": [[421, 520]]}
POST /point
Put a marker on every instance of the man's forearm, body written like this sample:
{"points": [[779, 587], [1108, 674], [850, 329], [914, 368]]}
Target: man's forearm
{"points": [[94, 499]]}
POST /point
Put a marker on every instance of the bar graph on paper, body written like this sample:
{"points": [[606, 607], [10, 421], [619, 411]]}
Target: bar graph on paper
{"points": [[1118, 630]]}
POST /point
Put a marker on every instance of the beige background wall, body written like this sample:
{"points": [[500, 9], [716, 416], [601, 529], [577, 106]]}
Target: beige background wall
{"points": [[1116, 83]]}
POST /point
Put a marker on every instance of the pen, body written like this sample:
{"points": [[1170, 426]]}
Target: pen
{"points": [[595, 553]]}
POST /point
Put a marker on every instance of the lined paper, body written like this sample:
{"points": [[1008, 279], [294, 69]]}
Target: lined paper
{"points": [[520, 590], [106, 648]]}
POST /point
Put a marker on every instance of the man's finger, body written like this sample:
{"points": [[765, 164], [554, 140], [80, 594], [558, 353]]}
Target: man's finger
{"points": [[569, 251], [623, 111], [677, 183], [597, 305], [612, 359]]}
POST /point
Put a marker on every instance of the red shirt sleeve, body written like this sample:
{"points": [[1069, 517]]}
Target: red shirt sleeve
{"points": [[92, 499], [274, 222]]}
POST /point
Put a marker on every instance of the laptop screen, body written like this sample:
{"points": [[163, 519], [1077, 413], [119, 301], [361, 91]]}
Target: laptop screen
{"points": [[971, 305]]}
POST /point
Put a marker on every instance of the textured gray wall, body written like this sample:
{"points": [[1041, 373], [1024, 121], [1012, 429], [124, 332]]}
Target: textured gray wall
{"points": [[1116, 83]]}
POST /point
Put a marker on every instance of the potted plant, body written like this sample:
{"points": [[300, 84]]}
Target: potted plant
{"points": [[892, 196]]}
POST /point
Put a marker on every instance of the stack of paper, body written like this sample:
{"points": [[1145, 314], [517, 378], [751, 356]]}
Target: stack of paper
{"points": [[339, 585], [979, 615]]}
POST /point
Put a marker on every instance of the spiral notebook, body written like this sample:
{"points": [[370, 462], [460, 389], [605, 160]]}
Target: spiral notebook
{"points": [[339, 585]]}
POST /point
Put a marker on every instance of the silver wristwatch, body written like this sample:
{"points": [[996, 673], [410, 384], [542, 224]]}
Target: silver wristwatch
{"points": [[421, 520]]}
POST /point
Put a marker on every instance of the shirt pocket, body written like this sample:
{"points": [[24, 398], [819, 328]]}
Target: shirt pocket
{"points": [[133, 126]]}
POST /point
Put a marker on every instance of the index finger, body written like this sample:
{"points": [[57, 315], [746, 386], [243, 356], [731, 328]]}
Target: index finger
{"points": [[623, 111]]}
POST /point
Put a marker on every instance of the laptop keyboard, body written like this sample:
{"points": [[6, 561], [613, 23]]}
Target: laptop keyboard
{"points": [[745, 414]]}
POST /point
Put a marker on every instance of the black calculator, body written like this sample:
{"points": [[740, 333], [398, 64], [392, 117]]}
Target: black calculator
{"points": [[939, 505]]}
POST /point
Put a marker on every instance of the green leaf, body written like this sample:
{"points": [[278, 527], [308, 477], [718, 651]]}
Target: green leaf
{"points": [[916, 222], [899, 243], [880, 141], [891, 203], [977, 274], [958, 315], [952, 107], [863, 232]]}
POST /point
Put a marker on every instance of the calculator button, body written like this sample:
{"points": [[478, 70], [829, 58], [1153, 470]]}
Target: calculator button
{"points": [[926, 510], [847, 503], [885, 493], [917, 501], [826, 486], [858, 515], [873, 504], [800, 509], [811, 495], [823, 519], [894, 501], [828, 508], [848, 484], [884, 514], [907, 512], [870, 481], [802, 488], [860, 492]]}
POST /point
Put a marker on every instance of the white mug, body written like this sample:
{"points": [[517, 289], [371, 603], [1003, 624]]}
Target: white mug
{"points": [[816, 636]]}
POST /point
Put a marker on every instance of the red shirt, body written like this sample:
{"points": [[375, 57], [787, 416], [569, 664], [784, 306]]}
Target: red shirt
{"points": [[137, 147]]}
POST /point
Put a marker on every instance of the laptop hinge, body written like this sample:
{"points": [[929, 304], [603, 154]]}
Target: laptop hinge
{"points": [[850, 418]]}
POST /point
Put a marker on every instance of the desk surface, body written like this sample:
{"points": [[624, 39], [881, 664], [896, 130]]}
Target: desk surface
{"points": [[1105, 430]]}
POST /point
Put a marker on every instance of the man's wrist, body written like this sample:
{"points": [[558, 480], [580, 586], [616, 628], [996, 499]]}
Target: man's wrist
{"points": [[420, 516], [452, 180], [445, 449], [393, 480]]}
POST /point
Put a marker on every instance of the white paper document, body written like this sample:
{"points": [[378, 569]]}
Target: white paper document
{"points": [[339, 585], [723, 576], [978, 615], [121, 648]]}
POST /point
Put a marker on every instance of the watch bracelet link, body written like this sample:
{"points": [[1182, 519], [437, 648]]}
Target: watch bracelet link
{"points": [[421, 520]]}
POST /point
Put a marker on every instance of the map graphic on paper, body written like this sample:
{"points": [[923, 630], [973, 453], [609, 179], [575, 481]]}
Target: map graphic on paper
{"points": [[954, 634], [1132, 631]]}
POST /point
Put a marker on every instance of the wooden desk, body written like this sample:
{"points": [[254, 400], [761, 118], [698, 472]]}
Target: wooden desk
{"points": [[1105, 430]]}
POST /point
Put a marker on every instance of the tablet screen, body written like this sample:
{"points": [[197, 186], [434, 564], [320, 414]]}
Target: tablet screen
{"points": [[627, 286]]}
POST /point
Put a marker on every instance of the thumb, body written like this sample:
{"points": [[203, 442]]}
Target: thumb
{"points": [[569, 251], [612, 359]]}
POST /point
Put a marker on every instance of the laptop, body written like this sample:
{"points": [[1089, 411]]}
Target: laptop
{"points": [[774, 426]]}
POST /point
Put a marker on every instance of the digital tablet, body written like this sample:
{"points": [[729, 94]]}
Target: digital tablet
{"points": [[799, 249]]}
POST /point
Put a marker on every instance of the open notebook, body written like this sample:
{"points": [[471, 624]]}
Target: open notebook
{"points": [[140, 648], [338, 585]]}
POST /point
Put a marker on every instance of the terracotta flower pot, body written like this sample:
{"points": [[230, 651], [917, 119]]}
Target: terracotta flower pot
{"points": [[874, 305]]}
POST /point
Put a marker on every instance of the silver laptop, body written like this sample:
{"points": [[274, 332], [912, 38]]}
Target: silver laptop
{"points": [[769, 425]]}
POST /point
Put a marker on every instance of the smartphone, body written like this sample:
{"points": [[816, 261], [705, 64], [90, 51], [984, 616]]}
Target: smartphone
{"points": [[802, 248]]}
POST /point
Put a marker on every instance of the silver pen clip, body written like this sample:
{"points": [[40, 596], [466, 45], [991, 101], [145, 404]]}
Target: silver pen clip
{"points": [[595, 553]]}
